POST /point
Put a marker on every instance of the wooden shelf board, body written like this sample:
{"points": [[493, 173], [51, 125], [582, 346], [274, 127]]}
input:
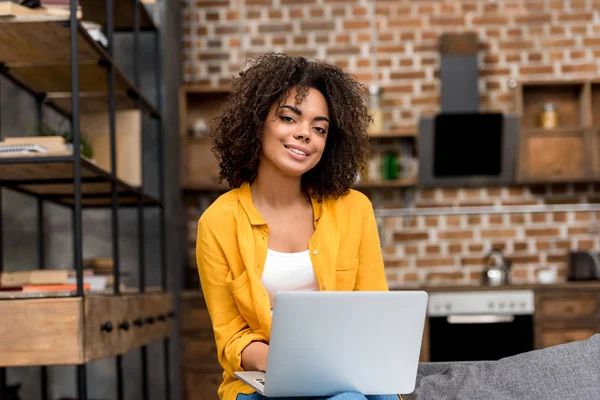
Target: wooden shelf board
{"points": [[406, 182], [71, 327], [95, 11], [37, 54], [205, 89], [51, 178], [395, 133], [561, 130]]}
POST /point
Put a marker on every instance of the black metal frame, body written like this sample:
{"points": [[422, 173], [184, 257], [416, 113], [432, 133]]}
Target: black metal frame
{"points": [[118, 188]]}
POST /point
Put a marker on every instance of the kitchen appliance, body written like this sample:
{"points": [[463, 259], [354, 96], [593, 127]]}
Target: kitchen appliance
{"points": [[462, 146], [480, 325], [584, 266], [497, 269]]}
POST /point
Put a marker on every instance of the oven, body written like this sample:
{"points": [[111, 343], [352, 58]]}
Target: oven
{"points": [[480, 325]]}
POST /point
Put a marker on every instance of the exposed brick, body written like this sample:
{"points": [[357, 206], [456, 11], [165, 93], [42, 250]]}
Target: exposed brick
{"points": [[498, 233], [431, 221], [488, 20], [454, 248], [407, 236], [408, 75], [575, 17], [516, 45], [403, 23], [578, 231], [536, 70], [557, 258], [470, 261], [562, 244], [474, 220], [579, 68], [343, 51], [453, 220], [449, 235], [531, 19], [317, 26], [446, 21], [551, 43], [275, 28], [411, 250], [591, 42], [396, 263], [541, 232], [584, 244], [517, 219], [448, 277], [520, 246], [435, 262], [432, 249]]}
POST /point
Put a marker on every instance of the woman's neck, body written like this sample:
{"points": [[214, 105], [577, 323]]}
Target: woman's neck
{"points": [[274, 190]]}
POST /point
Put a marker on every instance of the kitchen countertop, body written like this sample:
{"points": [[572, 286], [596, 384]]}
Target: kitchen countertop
{"points": [[582, 285]]}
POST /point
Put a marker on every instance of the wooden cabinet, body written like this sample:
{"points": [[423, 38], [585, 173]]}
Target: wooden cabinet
{"points": [[570, 151], [200, 370], [77, 330], [564, 316], [199, 166]]}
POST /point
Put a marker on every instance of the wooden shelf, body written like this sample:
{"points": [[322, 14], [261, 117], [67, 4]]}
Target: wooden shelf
{"points": [[72, 331], [406, 182], [395, 133], [95, 11], [51, 178], [576, 130], [36, 55]]}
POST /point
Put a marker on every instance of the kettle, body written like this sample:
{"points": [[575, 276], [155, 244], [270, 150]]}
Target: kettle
{"points": [[497, 269]]}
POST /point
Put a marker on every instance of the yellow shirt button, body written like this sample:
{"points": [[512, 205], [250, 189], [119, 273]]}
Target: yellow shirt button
{"points": [[316, 252]]}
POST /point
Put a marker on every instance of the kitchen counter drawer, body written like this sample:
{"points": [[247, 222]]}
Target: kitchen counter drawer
{"points": [[554, 334], [561, 305]]}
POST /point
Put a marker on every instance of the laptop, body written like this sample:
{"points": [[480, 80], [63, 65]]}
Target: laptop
{"points": [[325, 343]]}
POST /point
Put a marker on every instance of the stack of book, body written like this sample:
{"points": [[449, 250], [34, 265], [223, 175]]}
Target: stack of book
{"points": [[97, 277]]}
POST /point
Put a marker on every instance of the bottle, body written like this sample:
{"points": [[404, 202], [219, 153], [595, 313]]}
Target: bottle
{"points": [[389, 166], [548, 117], [375, 109]]}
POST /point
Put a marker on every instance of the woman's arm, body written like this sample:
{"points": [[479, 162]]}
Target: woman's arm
{"points": [[232, 333], [254, 356], [371, 273]]}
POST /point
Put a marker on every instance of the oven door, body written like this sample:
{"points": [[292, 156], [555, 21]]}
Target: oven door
{"points": [[476, 337]]}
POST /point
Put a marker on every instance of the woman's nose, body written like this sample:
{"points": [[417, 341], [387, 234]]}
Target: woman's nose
{"points": [[303, 134]]}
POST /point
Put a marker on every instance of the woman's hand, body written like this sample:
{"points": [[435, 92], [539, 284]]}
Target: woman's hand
{"points": [[254, 356]]}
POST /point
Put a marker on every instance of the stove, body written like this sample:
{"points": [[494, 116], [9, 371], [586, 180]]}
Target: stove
{"points": [[480, 325]]}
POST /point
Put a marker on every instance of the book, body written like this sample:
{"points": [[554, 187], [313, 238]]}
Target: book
{"points": [[34, 277], [42, 288]]}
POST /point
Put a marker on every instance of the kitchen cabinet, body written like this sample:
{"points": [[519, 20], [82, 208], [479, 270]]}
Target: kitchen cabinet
{"points": [[563, 313], [566, 315], [568, 152]]}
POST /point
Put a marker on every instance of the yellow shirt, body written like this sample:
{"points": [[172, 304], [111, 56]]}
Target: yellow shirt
{"points": [[231, 249]]}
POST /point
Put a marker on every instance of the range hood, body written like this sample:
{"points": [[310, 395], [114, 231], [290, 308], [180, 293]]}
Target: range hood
{"points": [[462, 146]]}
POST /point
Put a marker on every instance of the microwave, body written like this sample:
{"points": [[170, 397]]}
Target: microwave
{"points": [[468, 149], [583, 266]]}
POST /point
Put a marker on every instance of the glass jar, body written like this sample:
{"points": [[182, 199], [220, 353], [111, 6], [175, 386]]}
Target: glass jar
{"points": [[375, 109], [549, 117]]}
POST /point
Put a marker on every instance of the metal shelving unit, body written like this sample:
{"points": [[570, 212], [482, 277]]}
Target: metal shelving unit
{"points": [[36, 56]]}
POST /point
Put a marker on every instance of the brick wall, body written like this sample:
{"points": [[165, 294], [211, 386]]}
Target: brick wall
{"points": [[522, 39]]}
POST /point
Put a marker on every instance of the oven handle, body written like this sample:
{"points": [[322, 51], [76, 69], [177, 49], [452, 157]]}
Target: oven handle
{"points": [[480, 319]]}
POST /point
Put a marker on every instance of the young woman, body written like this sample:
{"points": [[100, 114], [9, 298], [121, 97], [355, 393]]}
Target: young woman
{"points": [[291, 140]]}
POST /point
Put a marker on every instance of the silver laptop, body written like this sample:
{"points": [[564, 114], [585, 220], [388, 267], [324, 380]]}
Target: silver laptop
{"points": [[324, 343]]}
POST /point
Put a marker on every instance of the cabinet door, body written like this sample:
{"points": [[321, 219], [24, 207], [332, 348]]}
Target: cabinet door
{"points": [[554, 157], [596, 155], [554, 335]]}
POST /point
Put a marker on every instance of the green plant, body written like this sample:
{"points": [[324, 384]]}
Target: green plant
{"points": [[86, 147]]}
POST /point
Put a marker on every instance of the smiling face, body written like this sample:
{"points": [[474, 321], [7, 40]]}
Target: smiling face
{"points": [[294, 135]]}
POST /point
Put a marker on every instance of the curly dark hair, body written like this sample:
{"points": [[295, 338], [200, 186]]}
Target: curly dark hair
{"points": [[269, 78]]}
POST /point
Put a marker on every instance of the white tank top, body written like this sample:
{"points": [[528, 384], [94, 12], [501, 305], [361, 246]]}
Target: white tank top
{"points": [[286, 272]]}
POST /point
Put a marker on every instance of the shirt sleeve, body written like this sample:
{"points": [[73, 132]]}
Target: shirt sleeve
{"points": [[232, 333], [371, 273]]}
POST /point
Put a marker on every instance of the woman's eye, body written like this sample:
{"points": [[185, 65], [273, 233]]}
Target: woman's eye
{"points": [[320, 130], [285, 118]]}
